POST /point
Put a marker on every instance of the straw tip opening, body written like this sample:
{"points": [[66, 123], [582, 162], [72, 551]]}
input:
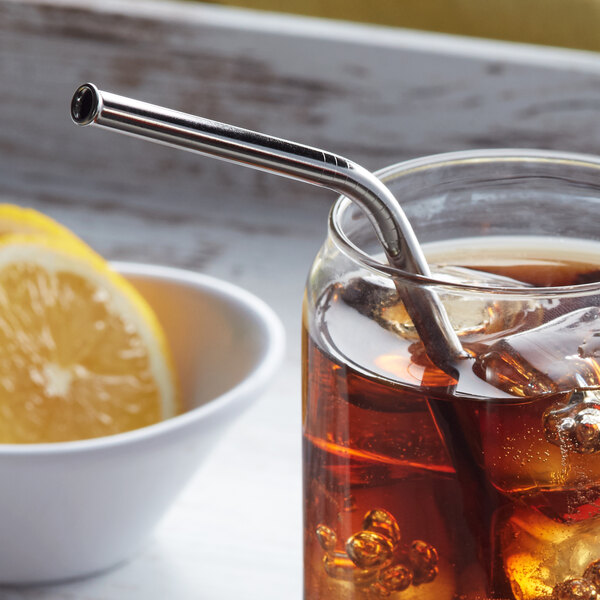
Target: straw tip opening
{"points": [[85, 104]]}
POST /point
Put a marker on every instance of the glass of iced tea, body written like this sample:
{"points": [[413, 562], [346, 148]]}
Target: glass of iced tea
{"points": [[477, 482]]}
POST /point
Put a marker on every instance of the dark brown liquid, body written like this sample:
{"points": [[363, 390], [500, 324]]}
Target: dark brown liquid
{"points": [[421, 489]]}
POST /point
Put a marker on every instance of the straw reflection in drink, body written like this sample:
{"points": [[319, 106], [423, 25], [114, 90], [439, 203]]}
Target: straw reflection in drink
{"points": [[475, 485]]}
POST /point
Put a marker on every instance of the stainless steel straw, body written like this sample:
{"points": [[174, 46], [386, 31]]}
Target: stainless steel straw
{"points": [[91, 106]]}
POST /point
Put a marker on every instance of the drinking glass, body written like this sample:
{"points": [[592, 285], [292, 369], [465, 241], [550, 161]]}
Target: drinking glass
{"points": [[482, 480]]}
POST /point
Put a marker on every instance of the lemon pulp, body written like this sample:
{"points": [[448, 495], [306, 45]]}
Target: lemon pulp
{"points": [[81, 353]]}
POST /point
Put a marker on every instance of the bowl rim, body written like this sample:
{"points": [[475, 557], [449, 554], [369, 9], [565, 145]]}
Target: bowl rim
{"points": [[266, 365]]}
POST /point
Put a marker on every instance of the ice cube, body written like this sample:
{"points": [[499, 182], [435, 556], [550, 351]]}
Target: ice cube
{"points": [[539, 555], [470, 315], [575, 425], [560, 355], [548, 435], [522, 456]]}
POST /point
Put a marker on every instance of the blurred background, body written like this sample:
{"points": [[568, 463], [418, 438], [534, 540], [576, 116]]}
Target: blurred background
{"points": [[567, 23]]}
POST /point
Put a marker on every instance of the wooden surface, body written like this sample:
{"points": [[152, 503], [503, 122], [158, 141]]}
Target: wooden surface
{"points": [[373, 94]]}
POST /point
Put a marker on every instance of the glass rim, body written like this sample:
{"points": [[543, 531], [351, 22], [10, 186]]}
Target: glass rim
{"points": [[393, 171]]}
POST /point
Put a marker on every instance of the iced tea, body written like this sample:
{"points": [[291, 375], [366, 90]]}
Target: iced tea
{"points": [[474, 485]]}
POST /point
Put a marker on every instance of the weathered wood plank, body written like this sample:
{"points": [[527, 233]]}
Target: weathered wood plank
{"points": [[375, 95]]}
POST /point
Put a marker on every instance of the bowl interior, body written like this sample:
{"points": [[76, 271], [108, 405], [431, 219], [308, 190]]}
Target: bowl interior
{"points": [[216, 337]]}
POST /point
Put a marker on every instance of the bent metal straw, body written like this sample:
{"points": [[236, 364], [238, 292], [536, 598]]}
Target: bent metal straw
{"points": [[91, 106]]}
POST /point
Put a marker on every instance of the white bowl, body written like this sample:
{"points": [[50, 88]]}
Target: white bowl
{"points": [[75, 508]]}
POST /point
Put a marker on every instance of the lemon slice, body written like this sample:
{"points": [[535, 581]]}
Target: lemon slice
{"points": [[16, 219], [81, 353]]}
